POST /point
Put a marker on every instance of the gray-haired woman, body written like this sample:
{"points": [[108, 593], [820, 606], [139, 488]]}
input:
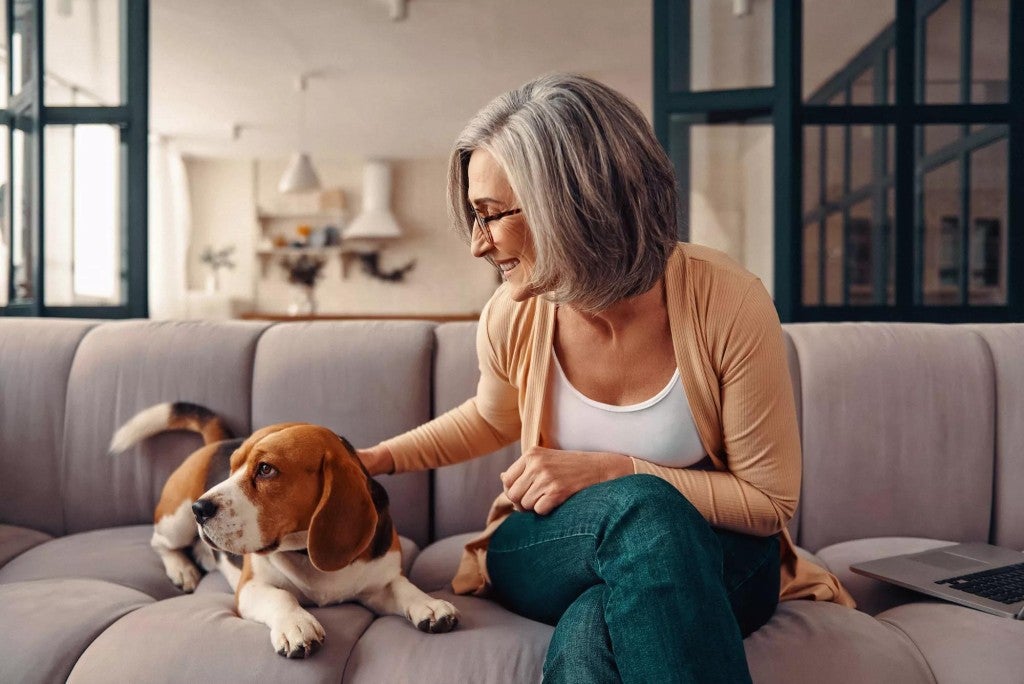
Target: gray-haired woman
{"points": [[646, 382]]}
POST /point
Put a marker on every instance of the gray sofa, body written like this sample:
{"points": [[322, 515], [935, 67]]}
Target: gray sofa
{"points": [[913, 437]]}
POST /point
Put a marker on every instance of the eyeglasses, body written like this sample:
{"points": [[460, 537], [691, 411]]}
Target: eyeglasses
{"points": [[482, 221]]}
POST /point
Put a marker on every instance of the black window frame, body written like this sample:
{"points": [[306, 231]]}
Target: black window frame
{"points": [[30, 111], [783, 103]]}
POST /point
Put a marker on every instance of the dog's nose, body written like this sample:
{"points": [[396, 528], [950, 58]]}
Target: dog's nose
{"points": [[204, 509]]}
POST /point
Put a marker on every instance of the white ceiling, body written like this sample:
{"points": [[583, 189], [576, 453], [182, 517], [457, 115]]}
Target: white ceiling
{"points": [[387, 89]]}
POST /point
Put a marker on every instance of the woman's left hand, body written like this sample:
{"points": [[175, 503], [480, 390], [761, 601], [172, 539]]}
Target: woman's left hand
{"points": [[542, 479]]}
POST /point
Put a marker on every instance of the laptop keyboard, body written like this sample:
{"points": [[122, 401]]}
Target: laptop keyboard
{"points": [[1005, 584]]}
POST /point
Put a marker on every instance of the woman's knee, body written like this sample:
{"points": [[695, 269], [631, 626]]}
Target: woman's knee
{"points": [[653, 496]]}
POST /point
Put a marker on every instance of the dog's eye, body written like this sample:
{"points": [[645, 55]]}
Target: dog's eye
{"points": [[265, 470]]}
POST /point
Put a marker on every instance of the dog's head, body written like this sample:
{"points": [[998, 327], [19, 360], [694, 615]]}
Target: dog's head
{"points": [[292, 486]]}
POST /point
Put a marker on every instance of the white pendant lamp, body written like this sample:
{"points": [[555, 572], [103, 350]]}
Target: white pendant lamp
{"points": [[300, 176]]}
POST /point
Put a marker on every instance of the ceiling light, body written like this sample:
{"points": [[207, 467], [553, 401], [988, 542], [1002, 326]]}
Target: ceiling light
{"points": [[300, 176]]}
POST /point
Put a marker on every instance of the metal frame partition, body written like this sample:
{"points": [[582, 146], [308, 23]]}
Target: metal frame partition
{"points": [[903, 116]]}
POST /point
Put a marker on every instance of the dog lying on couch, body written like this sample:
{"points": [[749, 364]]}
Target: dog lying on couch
{"points": [[289, 516]]}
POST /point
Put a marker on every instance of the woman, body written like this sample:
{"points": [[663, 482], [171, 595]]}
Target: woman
{"points": [[646, 381]]}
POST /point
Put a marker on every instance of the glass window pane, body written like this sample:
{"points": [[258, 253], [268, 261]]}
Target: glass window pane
{"points": [[22, 236], [3, 62], [812, 168], [5, 226], [862, 92], [990, 51], [988, 224], [82, 52], [834, 259], [869, 254], [729, 192], [835, 162], [862, 155], [22, 44], [890, 76], [942, 54], [730, 48], [937, 138], [83, 218], [812, 264], [836, 39], [941, 233]]}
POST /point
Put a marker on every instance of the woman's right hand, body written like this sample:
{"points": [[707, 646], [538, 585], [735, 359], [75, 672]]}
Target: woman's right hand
{"points": [[377, 460]]}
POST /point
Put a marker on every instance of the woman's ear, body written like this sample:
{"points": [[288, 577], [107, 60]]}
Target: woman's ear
{"points": [[345, 520]]}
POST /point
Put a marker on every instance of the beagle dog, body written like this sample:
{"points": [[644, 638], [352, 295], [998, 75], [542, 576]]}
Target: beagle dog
{"points": [[290, 517]]}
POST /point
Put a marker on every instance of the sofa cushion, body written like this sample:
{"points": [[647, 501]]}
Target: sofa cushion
{"points": [[124, 367], [118, 555], [46, 625], [16, 540], [873, 596], [962, 644], [366, 380], [465, 491], [200, 638], [898, 432], [37, 356], [436, 565], [490, 645], [1006, 342], [814, 641]]}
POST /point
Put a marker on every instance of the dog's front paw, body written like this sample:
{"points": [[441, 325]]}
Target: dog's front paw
{"points": [[183, 573], [300, 636], [434, 616]]}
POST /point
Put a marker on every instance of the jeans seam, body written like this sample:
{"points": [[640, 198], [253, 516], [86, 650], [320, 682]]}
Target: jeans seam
{"points": [[545, 541]]}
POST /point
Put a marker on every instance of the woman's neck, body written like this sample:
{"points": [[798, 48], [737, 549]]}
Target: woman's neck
{"points": [[618, 316]]}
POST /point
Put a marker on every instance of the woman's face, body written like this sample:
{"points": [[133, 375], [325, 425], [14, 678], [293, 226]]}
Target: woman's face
{"points": [[512, 250]]}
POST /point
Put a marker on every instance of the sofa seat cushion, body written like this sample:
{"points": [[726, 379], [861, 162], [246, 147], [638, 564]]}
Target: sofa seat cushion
{"points": [[962, 644], [200, 638], [47, 624], [873, 596], [16, 540], [435, 566], [490, 645], [814, 641], [119, 555]]}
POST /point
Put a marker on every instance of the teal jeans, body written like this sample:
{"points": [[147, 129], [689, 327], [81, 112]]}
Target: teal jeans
{"points": [[640, 588]]}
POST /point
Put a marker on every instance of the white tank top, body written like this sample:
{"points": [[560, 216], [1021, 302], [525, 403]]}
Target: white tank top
{"points": [[660, 430]]}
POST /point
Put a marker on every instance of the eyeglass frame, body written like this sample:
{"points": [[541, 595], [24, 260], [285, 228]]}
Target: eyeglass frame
{"points": [[482, 221]]}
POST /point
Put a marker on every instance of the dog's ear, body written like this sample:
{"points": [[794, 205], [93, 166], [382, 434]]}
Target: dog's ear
{"points": [[345, 520], [241, 454]]}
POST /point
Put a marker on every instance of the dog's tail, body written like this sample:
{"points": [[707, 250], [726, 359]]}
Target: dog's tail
{"points": [[176, 415]]}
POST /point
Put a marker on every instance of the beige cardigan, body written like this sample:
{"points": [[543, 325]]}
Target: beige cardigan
{"points": [[732, 361]]}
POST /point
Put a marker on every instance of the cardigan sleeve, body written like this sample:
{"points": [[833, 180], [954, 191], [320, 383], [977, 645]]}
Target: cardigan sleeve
{"points": [[758, 492], [482, 424]]}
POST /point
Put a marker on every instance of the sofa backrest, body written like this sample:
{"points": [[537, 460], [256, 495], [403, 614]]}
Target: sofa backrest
{"points": [[366, 381], [35, 359], [898, 432], [907, 429], [1006, 343], [464, 492], [123, 367]]}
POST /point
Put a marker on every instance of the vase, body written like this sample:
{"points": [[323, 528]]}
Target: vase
{"points": [[303, 301]]}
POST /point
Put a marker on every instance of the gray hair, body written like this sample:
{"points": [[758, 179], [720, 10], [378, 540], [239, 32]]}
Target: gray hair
{"points": [[595, 187]]}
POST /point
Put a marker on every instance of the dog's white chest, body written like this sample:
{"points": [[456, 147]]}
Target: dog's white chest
{"points": [[324, 588]]}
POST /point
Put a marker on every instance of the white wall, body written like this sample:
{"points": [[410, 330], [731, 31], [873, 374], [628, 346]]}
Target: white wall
{"points": [[445, 281]]}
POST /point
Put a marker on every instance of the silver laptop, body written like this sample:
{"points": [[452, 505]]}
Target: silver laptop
{"points": [[989, 578]]}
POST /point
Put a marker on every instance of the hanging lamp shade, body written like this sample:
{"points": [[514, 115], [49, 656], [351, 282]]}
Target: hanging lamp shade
{"points": [[300, 176]]}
